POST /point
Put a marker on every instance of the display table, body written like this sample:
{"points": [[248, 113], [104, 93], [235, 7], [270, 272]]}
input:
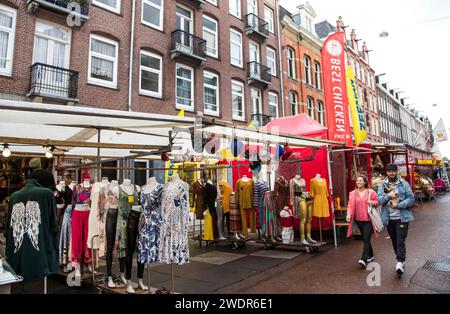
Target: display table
{"points": [[7, 278]]}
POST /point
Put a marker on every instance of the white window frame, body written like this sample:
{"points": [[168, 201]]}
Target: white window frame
{"points": [[320, 112], [115, 60], [250, 5], [177, 106], [318, 75], [161, 14], [7, 71], [147, 69], [291, 62], [68, 43], [308, 74], [309, 109], [274, 60], [241, 65], [238, 13], [238, 118], [107, 7], [295, 98], [216, 36], [274, 104], [216, 88], [269, 18], [213, 2]]}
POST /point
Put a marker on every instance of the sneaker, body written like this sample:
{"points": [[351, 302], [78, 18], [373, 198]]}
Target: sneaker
{"points": [[362, 263], [399, 268], [370, 259]]}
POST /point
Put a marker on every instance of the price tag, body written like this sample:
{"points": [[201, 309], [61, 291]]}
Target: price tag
{"points": [[131, 199]]}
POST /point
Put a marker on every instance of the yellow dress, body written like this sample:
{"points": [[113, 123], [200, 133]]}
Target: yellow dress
{"points": [[208, 234], [319, 192]]}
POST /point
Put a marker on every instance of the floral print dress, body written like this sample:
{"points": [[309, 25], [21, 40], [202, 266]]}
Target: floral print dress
{"points": [[150, 226], [174, 247]]}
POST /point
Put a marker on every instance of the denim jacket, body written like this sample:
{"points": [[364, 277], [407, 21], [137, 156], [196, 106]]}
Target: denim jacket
{"points": [[406, 201]]}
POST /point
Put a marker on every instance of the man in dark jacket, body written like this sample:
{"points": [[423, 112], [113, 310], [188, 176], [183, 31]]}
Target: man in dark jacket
{"points": [[43, 176]]}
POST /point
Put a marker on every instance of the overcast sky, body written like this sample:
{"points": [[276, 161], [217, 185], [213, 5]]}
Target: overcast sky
{"points": [[415, 56]]}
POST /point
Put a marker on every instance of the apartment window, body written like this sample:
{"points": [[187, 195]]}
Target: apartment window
{"points": [[212, 2], [103, 61], [152, 13], [291, 63], [184, 87], [252, 7], [210, 35], [271, 61], [357, 70], [211, 93], [111, 5], [237, 100], [308, 24], [307, 70], [235, 8], [317, 75], [310, 107], [151, 74], [320, 112], [7, 34], [273, 105], [293, 100], [236, 48], [52, 46], [268, 17]]}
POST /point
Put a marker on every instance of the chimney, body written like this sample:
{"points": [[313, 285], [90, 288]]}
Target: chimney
{"points": [[340, 25]]}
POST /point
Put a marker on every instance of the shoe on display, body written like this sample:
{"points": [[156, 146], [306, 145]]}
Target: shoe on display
{"points": [[111, 283], [399, 268], [310, 240], [222, 238], [142, 286], [362, 263], [371, 259], [304, 242], [123, 279], [130, 288]]}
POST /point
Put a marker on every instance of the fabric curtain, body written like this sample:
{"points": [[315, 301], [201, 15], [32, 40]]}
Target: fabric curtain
{"points": [[4, 42]]}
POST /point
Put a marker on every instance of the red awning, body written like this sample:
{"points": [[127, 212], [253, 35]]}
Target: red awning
{"points": [[300, 125]]}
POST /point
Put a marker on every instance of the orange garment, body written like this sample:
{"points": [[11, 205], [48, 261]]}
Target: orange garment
{"points": [[225, 195], [244, 194], [319, 192]]}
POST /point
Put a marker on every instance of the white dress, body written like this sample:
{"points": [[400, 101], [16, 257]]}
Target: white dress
{"points": [[174, 246], [97, 219]]}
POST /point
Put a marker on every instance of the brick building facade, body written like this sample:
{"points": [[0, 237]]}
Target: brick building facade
{"points": [[182, 56]]}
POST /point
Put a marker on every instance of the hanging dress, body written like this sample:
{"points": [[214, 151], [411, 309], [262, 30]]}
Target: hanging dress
{"points": [[271, 221], [319, 192], [126, 201], [97, 218], [150, 225], [174, 246]]}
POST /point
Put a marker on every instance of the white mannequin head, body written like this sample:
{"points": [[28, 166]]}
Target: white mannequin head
{"points": [[86, 184], [175, 177], [105, 180], [318, 176], [127, 182]]}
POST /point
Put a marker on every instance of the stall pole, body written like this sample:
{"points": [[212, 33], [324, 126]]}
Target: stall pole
{"points": [[172, 280], [98, 155], [45, 285], [148, 279], [330, 179]]}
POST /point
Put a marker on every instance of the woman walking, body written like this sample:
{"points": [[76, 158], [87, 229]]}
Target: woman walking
{"points": [[357, 211]]}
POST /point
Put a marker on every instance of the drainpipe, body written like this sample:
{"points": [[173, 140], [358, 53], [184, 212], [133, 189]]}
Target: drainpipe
{"points": [[280, 61], [130, 78]]}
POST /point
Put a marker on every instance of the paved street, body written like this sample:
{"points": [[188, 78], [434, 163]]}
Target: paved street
{"points": [[337, 271]]}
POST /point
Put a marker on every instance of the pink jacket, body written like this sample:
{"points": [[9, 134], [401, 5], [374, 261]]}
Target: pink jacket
{"points": [[351, 210]]}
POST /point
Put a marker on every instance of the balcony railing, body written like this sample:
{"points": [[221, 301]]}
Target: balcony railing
{"points": [[258, 73], [198, 3], [62, 6], [53, 82], [256, 25], [260, 120], [188, 45]]}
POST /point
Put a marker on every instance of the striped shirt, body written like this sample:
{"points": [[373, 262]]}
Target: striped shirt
{"points": [[260, 190]]}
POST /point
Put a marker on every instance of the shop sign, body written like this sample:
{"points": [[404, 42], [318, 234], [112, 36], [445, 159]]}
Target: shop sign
{"points": [[335, 89], [427, 162]]}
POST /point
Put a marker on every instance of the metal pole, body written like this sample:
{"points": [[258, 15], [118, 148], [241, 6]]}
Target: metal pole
{"points": [[98, 156], [330, 179], [45, 285], [172, 280], [148, 279]]}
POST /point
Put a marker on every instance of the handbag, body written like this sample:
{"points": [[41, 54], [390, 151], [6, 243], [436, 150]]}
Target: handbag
{"points": [[375, 216]]}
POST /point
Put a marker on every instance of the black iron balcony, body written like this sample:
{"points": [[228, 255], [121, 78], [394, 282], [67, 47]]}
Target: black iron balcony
{"points": [[53, 82], [78, 8], [255, 25], [260, 120], [188, 46], [258, 74], [198, 3]]}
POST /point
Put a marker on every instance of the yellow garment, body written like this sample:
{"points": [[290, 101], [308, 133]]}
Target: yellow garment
{"points": [[244, 194], [244, 221], [306, 208], [319, 192], [225, 195], [208, 234]]}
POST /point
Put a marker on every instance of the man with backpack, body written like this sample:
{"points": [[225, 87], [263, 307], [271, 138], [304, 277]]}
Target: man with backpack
{"points": [[396, 198]]}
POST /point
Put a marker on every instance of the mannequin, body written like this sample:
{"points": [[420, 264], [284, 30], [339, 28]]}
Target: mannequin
{"points": [[198, 195], [245, 201], [219, 209], [287, 222], [260, 190], [225, 199], [152, 182], [211, 202], [319, 193], [175, 178], [299, 202], [112, 198]]}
